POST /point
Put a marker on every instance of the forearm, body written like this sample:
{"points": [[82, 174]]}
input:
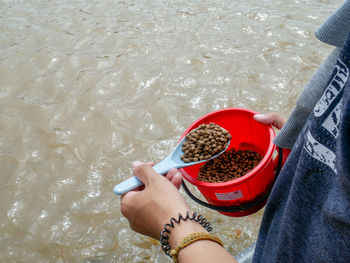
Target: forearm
{"points": [[200, 251]]}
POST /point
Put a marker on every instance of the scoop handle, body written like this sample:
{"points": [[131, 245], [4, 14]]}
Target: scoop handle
{"points": [[127, 185], [133, 182]]}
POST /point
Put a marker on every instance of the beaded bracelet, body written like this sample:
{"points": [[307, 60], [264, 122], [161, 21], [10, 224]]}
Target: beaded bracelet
{"points": [[166, 230], [191, 238]]}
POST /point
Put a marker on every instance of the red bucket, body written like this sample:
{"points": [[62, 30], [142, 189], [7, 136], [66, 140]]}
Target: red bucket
{"points": [[247, 194]]}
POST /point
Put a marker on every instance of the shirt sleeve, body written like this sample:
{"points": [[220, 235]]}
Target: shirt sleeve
{"points": [[306, 102], [335, 29]]}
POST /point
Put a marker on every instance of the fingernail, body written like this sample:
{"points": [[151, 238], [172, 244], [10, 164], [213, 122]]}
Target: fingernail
{"points": [[259, 117], [136, 163]]}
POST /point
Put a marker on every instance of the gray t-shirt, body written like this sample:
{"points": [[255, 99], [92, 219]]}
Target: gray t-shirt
{"points": [[307, 215]]}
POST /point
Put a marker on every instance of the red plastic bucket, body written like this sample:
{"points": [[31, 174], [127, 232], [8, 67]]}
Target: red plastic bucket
{"points": [[249, 192]]}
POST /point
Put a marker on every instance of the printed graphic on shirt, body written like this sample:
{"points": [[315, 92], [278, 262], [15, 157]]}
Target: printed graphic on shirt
{"points": [[319, 151], [331, 123], [333, 89]]}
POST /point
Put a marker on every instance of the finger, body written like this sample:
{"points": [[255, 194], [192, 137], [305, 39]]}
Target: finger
{"points": [[125, 200], [145, 173], [171, 173], [177, 180], [271, 118], [150, 163], [136, 163]]}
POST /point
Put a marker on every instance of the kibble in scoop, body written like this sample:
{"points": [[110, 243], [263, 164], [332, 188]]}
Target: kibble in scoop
{"points": [[204, 142]]}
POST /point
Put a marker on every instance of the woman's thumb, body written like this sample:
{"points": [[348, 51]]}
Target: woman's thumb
{"points": [[144, 172], [271, 118]]}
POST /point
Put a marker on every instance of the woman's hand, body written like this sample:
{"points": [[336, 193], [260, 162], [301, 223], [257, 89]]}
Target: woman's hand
{"points": [[276, 120], [173, 175], [271, 118], [150, 208]]}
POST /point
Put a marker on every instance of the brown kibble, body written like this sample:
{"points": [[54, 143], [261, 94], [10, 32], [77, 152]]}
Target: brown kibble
{"points": [[201, 142], [204, 142], [230, 165]]}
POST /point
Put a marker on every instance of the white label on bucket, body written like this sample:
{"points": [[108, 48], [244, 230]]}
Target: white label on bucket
{"points": [[229, 196]]}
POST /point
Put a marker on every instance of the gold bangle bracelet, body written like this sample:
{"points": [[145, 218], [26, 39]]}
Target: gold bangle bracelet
{"points": [[191, 238]]}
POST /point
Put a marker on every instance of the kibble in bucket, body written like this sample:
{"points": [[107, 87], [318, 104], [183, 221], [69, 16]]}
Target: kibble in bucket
{"points": [[230, 165]]}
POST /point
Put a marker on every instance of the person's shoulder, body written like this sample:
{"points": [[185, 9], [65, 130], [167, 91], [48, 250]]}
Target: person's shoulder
{"points": [[335, 29]]}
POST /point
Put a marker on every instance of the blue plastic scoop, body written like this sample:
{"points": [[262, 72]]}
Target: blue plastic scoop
{"points": [[172, 161]]}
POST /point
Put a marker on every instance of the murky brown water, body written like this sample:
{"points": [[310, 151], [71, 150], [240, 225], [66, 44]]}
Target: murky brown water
{"points": [[88, 87]]}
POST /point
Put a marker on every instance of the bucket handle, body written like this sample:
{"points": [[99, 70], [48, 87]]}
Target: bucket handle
{"points": [[242, 207]]}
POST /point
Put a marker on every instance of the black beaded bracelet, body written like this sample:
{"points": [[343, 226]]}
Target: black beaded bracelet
{"points": [[196, 218]]}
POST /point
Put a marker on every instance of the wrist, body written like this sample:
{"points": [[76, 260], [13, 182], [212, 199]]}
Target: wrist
{"points": [[164, 218], [180, 227], [183, 229]]}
